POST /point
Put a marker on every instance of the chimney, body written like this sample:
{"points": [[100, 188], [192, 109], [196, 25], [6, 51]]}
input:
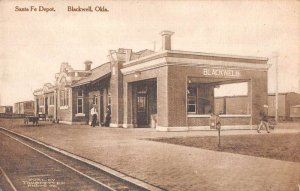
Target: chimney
{"points": [[88, 65], [166, 39], [128, 55]]}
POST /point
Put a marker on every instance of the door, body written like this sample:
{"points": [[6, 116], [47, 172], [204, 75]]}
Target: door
{"points": [[101, 109], [142, 110], [37, 106]]}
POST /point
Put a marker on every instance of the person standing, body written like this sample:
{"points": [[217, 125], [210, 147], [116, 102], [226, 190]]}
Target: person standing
{"points": [[263, 120], [107, 117], [94, 114]]}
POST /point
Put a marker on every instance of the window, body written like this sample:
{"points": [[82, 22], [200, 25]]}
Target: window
{"points": [[109, 99], [79, 105], [41, 101], [52, 100], [192, 100], [67, 97], [142, 104], [191, 106], [95, 100], [80, 101], [64, 97]]}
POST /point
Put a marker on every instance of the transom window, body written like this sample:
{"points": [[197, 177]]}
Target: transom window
{"points": [[80, 93]]}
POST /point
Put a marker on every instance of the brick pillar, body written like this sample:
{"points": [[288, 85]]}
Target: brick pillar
{"points": [[116, 89], [127, 105], [162, 100], [259, 94], [171, 100], [177, 87]]}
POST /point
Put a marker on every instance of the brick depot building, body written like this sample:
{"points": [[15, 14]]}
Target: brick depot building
{"points": [[170, 90]]}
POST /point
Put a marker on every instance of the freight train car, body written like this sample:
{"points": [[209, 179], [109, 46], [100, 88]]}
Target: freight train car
{"points": [[295, 113], [6, 111], [24, 108]]}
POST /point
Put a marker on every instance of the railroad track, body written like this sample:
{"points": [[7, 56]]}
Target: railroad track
{"points": [[54, 169]]}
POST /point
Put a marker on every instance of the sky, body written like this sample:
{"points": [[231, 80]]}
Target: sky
{"points": [[34, 44]]}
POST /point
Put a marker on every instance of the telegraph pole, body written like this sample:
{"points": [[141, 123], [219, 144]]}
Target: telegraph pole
{"points": [[276, 94]]}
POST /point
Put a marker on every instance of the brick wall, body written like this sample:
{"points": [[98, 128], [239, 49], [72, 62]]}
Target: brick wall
{"points": [[64, 113], [202, 121]]}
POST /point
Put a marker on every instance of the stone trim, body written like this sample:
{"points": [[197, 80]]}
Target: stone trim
{"points": [[180, 52], [66, 122], [160, 128], [115, 125], [128, 125], [222, 116], [64, 107], [225, 127], [73, 123]]}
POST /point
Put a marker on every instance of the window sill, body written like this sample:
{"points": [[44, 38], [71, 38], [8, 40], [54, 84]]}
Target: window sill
{"points": [[79, 115]]}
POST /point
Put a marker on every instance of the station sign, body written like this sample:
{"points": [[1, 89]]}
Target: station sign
{"points": [[220, 72]]}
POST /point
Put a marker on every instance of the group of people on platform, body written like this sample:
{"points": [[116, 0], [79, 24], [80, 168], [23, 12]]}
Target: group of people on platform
{"points": [[94, 115], [264, 121]]}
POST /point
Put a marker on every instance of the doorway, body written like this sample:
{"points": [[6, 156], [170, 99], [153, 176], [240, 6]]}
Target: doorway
{"points": [[46, 105], [145, 102], [101, 109], [37, 106]]}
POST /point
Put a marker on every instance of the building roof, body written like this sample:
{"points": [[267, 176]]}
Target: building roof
{"points": [[97, 73]]}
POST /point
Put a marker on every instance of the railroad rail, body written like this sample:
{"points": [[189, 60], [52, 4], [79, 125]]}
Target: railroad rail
{"points": [[93, 176]]}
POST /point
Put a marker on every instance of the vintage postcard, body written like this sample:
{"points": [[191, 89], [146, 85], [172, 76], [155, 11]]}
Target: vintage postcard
{"points": [[149, 95]]}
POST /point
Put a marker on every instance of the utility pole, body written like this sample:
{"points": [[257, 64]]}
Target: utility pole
{"points": [[276, 94]]}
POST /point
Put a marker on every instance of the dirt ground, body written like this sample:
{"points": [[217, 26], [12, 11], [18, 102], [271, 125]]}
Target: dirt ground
{"points": [[276, 146]]}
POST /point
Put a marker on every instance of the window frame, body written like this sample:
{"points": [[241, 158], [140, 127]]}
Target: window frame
{"points": [[192, 104], [192, 92], [80, 98]]}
